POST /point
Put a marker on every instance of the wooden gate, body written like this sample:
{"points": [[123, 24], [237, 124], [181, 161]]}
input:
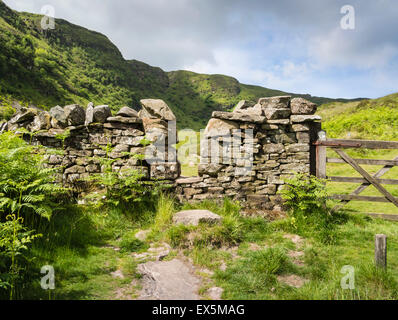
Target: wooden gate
{"points": [[366, 179]]}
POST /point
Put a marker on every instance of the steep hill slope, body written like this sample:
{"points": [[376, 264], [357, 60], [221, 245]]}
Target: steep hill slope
{"points": [[368, 119], [74, 65]]}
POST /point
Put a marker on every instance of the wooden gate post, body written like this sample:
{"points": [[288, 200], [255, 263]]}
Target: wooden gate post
{"points": [[381, 251]]}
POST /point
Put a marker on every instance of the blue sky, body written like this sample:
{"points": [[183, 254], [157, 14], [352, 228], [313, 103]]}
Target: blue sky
{"points": [[291, 45]]}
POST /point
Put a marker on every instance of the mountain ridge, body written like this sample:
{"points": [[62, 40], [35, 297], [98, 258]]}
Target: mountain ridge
{"points": [[72, 64]]}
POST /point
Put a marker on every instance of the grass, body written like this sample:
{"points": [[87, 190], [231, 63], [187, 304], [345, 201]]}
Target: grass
{"points": [[245, 254], [253, 274]]}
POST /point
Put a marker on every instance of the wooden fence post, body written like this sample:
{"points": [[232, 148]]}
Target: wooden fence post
{"points": [[381, 251]]}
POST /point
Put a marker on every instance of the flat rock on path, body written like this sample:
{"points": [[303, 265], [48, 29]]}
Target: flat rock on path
{"points": [[168, 280], [194, 217]]}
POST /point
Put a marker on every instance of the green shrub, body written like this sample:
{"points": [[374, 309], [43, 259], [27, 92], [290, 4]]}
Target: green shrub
{"points": [[27, 195], [309, 211], [14, 241], [122, 188], [6, 113], [27, 188]]}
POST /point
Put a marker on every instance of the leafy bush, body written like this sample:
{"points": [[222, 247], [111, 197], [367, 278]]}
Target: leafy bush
{"points": [[120, 188], [14, 241], [27, 194], [6, 112], [309, 212], [27, 188]]}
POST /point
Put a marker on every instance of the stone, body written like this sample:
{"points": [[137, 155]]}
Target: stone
{"points": [[210, 169], [165, 171], [131, 141], [215, 293], [101, 114], [75, 169], [275, 102], [123, 120], [142, 234], [194, 217], [89, 114], [274, 114], [3, 127], [239, 117], [158, 109], [242, 106], [192, 191], [24, 115], [190, 180], [41, 122], [300, 127], [58, 120], [302, 106], [74, 114], [304, 118], [303, 137], [168, 280], [248, 108], [297, 147], [117, 274], [278, 122], [127, 112], [54, 159], [218, 127], [274, 148], [156, 135]]}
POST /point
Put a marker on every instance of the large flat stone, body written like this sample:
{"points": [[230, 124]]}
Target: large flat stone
{"points": [[194, 217], [124, 120], [168, 280], [189, 180], [219, 127], [240, 117], [304, 118]]}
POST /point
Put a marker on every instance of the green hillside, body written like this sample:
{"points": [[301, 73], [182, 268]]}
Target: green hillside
{"points": [[368, 119], [74, 65]]}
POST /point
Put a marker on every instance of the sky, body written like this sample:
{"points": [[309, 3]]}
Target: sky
{"points": [[298, 46]]}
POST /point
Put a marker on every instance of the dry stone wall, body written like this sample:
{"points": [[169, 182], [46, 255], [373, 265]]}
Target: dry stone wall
{"points": [[77, 140], [247, 154]]}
